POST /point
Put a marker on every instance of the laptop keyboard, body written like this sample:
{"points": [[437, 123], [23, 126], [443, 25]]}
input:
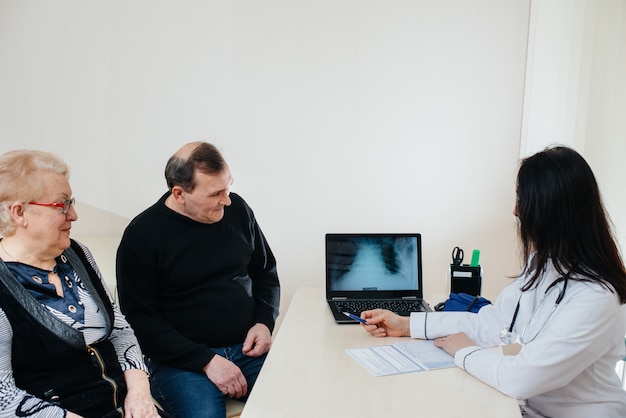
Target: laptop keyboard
{"points": [[398, 306]]}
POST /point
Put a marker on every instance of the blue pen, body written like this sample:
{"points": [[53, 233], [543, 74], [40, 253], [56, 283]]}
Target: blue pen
{"points": [[356, 318]]}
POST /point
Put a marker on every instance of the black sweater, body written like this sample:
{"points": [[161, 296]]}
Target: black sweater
{"points": [[186, 286]]}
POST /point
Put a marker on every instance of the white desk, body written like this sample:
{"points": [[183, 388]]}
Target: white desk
{"points": [[308, 374]]}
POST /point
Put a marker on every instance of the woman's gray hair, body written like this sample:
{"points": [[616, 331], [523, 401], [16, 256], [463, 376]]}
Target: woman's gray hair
{"points": [[19, 181]]}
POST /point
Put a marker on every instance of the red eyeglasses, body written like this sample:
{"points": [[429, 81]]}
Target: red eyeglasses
{"points": [[64, 205]]}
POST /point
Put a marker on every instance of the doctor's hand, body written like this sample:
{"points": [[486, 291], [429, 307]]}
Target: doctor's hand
{"points": [[258, 341], [454, 342], [226, 376], [384, 323]]}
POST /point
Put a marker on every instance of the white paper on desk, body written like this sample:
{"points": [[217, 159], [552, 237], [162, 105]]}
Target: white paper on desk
{"points": [[411, 356]]}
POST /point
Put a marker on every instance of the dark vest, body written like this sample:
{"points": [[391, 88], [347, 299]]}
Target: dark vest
{"points": [[50, 359]]}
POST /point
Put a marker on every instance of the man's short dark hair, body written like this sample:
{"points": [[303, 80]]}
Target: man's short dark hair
{"points": [[179, 171]]}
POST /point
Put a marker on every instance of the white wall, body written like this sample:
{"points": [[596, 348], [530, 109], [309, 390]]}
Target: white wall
{"points": [[576, 90], [334, 115], [605, 147]]}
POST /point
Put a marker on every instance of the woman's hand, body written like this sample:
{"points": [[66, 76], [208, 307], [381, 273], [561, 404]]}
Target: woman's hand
{"points": [[454, 342], [383, 323], [138, 402]]}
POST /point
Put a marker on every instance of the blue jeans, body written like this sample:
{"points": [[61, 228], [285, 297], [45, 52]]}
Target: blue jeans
{"points": [[188, 394]]}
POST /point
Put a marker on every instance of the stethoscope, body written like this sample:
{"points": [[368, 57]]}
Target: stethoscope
{"points": [[507, 336]]}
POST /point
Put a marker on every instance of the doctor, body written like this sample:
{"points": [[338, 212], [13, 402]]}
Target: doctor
{"points": [[561, 323]]}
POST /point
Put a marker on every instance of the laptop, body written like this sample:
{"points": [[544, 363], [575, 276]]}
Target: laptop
{"points": [[368, 271]]}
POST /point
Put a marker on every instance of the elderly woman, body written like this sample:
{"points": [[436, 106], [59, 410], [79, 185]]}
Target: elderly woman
{"points": [[65, 348]]}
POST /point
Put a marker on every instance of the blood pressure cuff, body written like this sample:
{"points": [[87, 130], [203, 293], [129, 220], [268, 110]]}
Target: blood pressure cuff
{"points": [[462, 302]]}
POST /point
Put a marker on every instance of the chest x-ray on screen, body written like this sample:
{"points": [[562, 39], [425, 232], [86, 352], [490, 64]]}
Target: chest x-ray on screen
{"points": [[373, 263]]}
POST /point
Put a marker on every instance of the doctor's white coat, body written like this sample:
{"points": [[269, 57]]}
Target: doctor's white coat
{"points": [[567, 366]]}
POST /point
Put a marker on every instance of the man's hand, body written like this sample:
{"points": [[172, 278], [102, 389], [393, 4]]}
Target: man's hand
{"points": [[226, 376], [258, 341]]}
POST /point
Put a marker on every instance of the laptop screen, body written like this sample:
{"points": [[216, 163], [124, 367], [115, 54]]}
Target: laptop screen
{"points": [[373, 262]]}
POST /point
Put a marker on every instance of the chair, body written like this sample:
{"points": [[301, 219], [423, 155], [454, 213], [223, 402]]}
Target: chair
{"points": [[233, 408], [621, 369]]}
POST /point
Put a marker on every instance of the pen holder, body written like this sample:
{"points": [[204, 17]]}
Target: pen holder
{"points": [[465, 279]]}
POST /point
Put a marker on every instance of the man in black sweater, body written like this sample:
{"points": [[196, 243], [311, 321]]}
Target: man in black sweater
{"points": [[198, 283]]}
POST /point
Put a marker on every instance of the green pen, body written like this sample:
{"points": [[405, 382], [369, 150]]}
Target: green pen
{"points": [[475, 258]]}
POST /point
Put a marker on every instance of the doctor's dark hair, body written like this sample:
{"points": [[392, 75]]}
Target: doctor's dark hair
{"points": [[562, 218], [179, 170]]}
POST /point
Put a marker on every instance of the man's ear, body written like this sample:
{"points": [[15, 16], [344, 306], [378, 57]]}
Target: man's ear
{"points": [[177, 193]]}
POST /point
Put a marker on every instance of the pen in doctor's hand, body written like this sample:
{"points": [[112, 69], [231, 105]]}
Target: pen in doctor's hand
{"points": [[356, 318]]}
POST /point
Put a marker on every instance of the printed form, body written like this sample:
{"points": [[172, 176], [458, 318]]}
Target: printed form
{"points": [[411, 356]]}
